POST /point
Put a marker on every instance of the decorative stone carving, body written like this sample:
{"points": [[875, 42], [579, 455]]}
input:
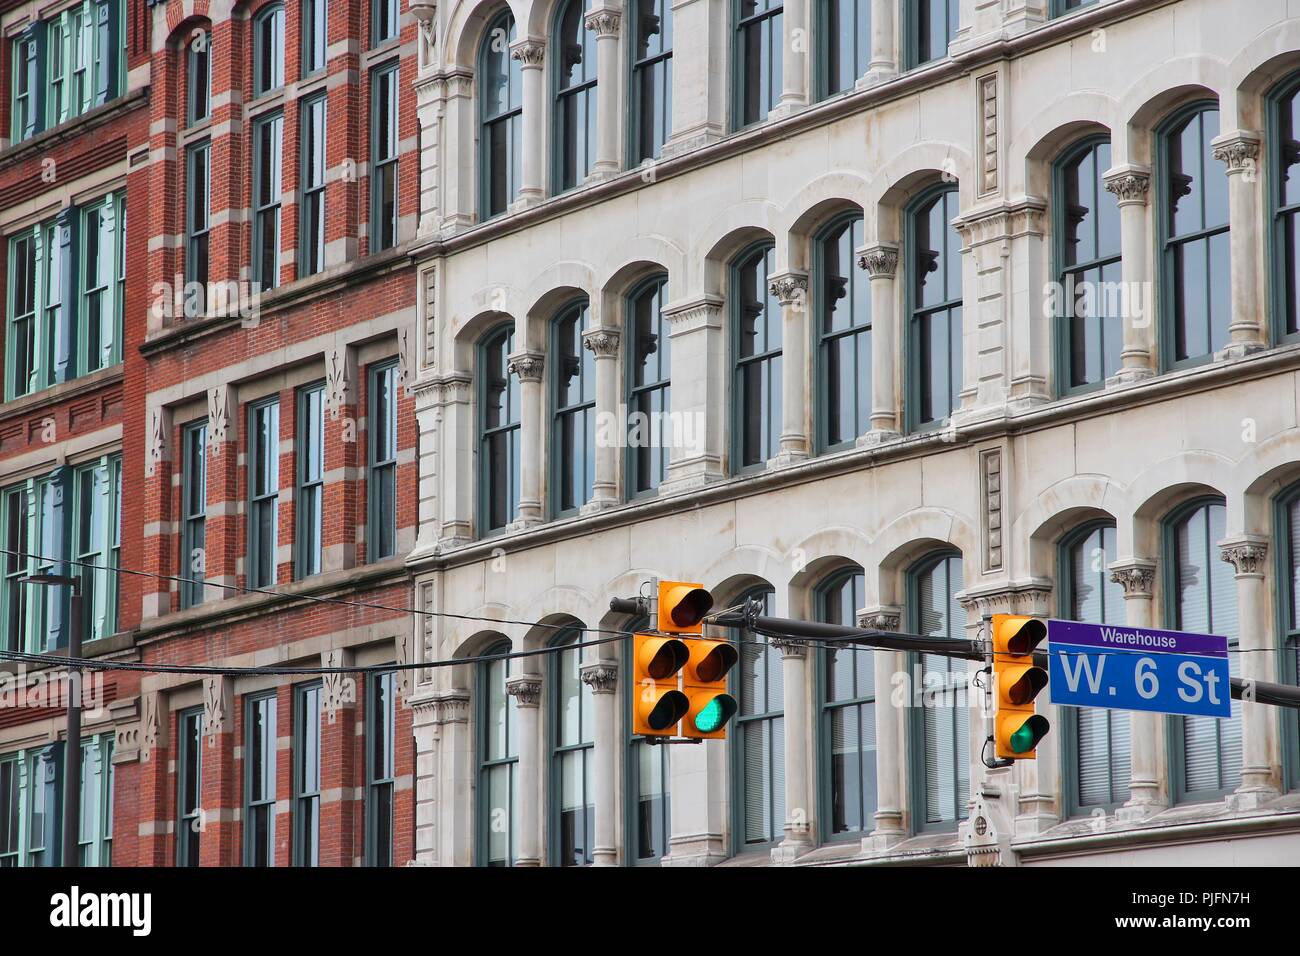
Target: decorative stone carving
{"points": [[988, 105], [528, 366], [1020, 597], [705, 312], [402, 675], [603, 343], [453, 707], [603, 23], [1136, 578], [1246, 556], [404, 376], [1238, 151], [601, 677], [790, 289], [991, 478], [788, 648], [218, 418], [530, 53], [338, 690], [427, 630], [880, 261], [157, 442], [881, 618], [153, 725], [430, 319], [526, 689], [1129, 187], [217, 701], [338, 380]]}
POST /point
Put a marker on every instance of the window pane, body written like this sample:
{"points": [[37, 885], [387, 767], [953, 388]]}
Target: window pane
{"points": [[944, 721]]}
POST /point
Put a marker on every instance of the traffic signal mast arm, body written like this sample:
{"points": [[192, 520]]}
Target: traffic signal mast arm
{"points": [[1262, 692]]}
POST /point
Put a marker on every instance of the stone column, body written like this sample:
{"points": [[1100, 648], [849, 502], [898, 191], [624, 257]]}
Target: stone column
{"points": [[884, 50], [701, 38], [530, 53], [453, 430], [698, 395], [459, 179], [1261, 770], [454, 837], [1248, 329], [528, 367], [602, 678], [881, 263], [526, 689], [1147, 730], [794, 58], [798, 790], [1129, 184], [603, 343], [890, 763], [791, 290], [425, 732], [605, 20]]}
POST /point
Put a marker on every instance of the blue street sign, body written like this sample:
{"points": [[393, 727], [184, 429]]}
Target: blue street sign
{"points": [[1129, 668]]}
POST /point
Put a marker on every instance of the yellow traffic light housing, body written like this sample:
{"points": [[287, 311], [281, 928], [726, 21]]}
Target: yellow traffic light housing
{"points": [[704, 679], [682, 607], [659, 705], [1017, 681]]}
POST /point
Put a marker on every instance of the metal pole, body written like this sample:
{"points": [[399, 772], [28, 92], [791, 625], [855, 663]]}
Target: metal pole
{"points": [[72, 752]]}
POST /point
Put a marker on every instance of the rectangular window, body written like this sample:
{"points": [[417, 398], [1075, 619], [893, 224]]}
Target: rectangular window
{"points": [[96, 489], [268, 50], [95, 839], [194, 511], [264, 492], [311, 225], [384, 17], [14, 514], [268, 142], [198, 208], [10, 811], [932, 26], [309, 497], [189, 782], [198, 76], [306, 776], [21, 334], [259, 781], [380, 738], [102, 252], [26, 85], [381, 475], [315, 39], [383, 157], [84, 58]]}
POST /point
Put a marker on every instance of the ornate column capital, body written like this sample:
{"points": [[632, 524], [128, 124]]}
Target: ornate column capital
{"points": [[526, 689], [601, 677], [527, 366], [1129, 184], [880, 261], [601, 342], [789, 288], [790, 650], [884, 618], [1238, 150], [1136, 576], [1246, 554], [605, 23], [529, 52]]}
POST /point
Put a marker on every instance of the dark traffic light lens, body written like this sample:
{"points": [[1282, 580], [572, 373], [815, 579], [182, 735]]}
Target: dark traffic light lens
{"points": [[690, 610], [715, 714], [1027, 688], [668, 660], [717, 662], [1029, 636], [671, 708]]}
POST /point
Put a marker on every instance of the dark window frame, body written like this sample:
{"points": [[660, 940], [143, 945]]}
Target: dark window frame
{"points": [[654, 286], [485, 433], [822, 340], [252, 806], [771, 359], [913, 310]]}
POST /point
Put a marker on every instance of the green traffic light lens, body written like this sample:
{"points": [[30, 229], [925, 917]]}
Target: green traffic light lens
{"points": [[715, 714], [1028, 734]]}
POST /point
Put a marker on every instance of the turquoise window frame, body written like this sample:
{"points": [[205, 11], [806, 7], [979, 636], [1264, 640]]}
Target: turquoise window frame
{"points": [[655, 69], [16, 594], [35, 773], [659, 388], [825, 709], [1068, 717], [194, 469], [90, 40], [27, 108], [912, 356], [773, 79], [1287, 568], [1275, 246], [735, 737], [40, 609], [95, 841], [313, 142], [111, 287], [769, 358], [496, 654], [512, 118], [189, 752], [270, 17], [585, 90], [381, 774], [822, 340], [582, 411], [384, 13], [307, 777], [915, 723], [309, 480], [1165, 287], [486, 463], [821, 31], [634, 744], [260, 498], [384, 156], [557, 750], [911, 15], [99, 587], [313, 24], [1174, 745], [381, 463], [268, 770]]}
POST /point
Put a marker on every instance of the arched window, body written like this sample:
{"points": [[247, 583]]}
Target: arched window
{"points": [[842, 300], [1194, 237], [648, 375], [498, 759], [268, 50], [1288, 538], [931, 25], [1086, 226], [647, 781], [758, 53], [501, 108], [575, 97], [847, 694], [573, 430], [758, 745], [651, 103], [941, 722], [1095, 746], [1201, 596], [1284, 140], [935, 308], [498, 443], [573, 727], [845, 49], [198, 75], [756, 382]]}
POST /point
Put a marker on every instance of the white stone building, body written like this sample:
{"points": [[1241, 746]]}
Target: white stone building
{"points": [[880, 406]]}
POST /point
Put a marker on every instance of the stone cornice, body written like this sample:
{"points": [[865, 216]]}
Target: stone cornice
{"points": [[683, 317], [1030, 597], [996, 223]]}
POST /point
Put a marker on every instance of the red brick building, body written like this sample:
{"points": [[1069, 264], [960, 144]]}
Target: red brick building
{"points": [[238, 430]]}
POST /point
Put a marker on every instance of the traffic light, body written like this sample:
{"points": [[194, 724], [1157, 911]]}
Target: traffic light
{"points": [[682, 607], [705, 682], [1017, 681], [656, 661]]}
